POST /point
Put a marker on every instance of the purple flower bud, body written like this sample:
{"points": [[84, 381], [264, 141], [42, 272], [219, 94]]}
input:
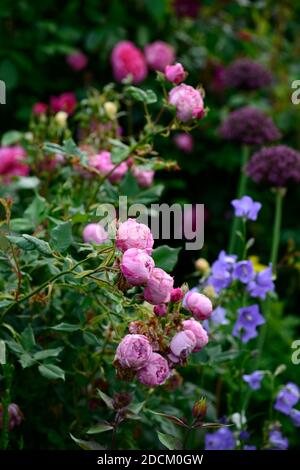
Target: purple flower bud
{"points": [[159, 287], [136, 266], [160, 310], [155, 372], [199, 332], [245, 74], [199, 305], [176, 295], [134, 351]]}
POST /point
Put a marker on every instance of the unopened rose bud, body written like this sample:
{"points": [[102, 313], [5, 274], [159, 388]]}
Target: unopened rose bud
{"points": [[199, 305], [121, 400], [200, 409], [176, 295], [175, 73], [160, 310], [61, 118], [202, 265], [110, 109]]}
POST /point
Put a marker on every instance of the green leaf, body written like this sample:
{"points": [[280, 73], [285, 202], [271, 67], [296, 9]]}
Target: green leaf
{"points": [[47, 353], [68, 327], [136, 407], [20, 242], [61, 236], [129, 186], [98, 428], [2, 352], [166, 257], [37, 211], [51, 371], [87, 445], [91, 339], [26, 360], [170, 442], [10, 138], [151, 194], [27, 338], [21, 225], [15, 347], [145, 96], [107, 400], [119, 151], [42, 246], [26, 182]]}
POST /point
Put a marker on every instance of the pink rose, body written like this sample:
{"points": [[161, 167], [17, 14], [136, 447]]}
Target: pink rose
{"points": [[12, 163], [134, 351], [182, 344], [64, 102], [39, 108], [176, 295], [199, 305], [155, 372], [175, 73], [199, 332], [188, 102], [131, 234], [184, 142], [77, 61], [143, 177], [136, 266], [159, 287], [102, 162], [128, 60], [158, 55], [95, 233], [160, 310]]}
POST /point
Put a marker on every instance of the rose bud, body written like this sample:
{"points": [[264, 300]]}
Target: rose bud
{"points": [[160, 310], [155, 372], [202, 265], [133, 352], [131, 234], [143, 177], [176, 295], [199, 332], [136, 266], [199, 305], [188, 102], [159, 287], [182, 344], [94, 233], [200, 409], [175, 73]]}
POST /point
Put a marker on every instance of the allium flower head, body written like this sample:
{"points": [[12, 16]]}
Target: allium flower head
{"points": [[245, 74], [246, 207], [159, 54], [276, 166], [287, 398], [188, 102], [127, 60], [222, 439], [254, 379], [187, 8], [262, 284], [248, 320], [243, 271], [249, 126]]}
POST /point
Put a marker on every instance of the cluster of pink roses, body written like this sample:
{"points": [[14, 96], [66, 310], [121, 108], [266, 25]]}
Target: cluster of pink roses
{"points": [[146, 357], [12, 163]]}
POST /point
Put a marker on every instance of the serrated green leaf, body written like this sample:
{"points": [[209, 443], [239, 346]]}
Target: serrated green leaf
{"points": [[51, 371], [68, 327], [170, 442], [166, 257], [61, 236], [47, 353], [42, 246], [99, 428], [27, 338], [107, 400]]}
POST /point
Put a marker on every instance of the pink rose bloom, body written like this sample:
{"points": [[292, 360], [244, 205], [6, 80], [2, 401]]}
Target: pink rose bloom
{"points": [[12, 163], [136, 266], [155, 372], [199, 305], [131, 234], [176, 295], [159, 287], [188, 102], [102, 162], [175, 73], [160, 310], [77, 61], [159, 54], [199, 332], [64, 102], [134, 351], [184, 142], [128, 60], [94, 233], [39, 108], [182, 344], [143, 177]]}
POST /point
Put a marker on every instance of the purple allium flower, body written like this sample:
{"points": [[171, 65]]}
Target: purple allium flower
{"points": [[254, 379], [261, 284], [221, 271], [288, 397], [188, 8], [295, 417], [277, 441], [222, 439], [246, 207], [275, 166], [218, 316], [243, 271], [245, 326], [245, 74], [249, 447], [250, 126]]}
